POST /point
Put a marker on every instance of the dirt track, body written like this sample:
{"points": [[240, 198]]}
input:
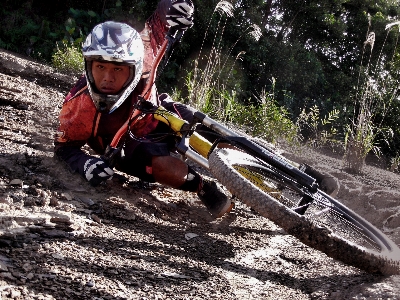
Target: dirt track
{"points": [[62, 239]]}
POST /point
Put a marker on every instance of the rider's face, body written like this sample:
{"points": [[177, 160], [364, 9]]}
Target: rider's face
{"points": [[109, 78]]}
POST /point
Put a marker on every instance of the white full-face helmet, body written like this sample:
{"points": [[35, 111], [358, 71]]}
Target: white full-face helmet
{"points": [[118, 43]]}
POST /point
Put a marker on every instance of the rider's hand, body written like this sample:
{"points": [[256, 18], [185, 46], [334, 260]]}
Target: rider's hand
{"points": [[177, 14], [96, 171]]}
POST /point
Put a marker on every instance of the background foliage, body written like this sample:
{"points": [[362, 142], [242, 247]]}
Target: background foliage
{"points": [[311, 52]]}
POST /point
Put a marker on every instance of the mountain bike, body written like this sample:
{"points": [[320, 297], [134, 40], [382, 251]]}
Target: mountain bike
{"points": [[270, 184], [277, 189]]}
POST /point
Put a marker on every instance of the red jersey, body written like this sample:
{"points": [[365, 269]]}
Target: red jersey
{"points": [[81, 123]]}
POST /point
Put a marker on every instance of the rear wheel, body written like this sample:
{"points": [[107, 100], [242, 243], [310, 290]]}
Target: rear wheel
{"points": [[316, 219]]}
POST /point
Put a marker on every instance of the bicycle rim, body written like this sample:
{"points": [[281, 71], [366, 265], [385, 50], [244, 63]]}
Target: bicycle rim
{"points": [[327, 225]]}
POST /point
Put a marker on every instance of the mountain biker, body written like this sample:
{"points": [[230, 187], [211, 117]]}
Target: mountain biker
{"points": [[117, 63]]}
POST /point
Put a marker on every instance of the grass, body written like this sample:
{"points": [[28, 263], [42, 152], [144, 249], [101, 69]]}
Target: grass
{"points": [[212, 88], [214, 81], [319, 130], [68, 59], [374, 97]]}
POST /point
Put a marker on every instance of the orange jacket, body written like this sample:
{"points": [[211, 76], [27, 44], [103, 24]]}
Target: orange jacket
{"points": [[81, 123]]}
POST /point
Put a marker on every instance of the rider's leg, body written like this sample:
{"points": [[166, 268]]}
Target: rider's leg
{"points": [[152, 162], [175, 173], [169, 170]]}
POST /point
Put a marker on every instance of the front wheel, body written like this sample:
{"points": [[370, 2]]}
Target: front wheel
{"points": [[325, 224]]}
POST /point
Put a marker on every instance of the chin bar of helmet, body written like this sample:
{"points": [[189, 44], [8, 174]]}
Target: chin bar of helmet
{"points": [[115, 146]]}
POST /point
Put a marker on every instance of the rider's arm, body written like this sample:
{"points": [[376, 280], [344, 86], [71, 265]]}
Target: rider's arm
{"points": [[154, 32], [72, 156], [176, 14], [75, 127], [94, 169]]}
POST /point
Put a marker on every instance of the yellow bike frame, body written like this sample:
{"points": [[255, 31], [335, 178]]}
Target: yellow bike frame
{"points": [[196, 141]]}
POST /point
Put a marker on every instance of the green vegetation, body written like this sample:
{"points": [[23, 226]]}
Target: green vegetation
{"points": [[319, 131], [303, 70], [265, 120], [34, 29], [213, 88], [373, 101], [69, 59]]}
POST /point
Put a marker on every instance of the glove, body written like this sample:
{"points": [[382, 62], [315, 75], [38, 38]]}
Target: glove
{"points": [[96, 171], [180, 14]]}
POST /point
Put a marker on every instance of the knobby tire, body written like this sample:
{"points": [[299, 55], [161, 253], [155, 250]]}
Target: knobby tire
{"points": [[332, 228]]}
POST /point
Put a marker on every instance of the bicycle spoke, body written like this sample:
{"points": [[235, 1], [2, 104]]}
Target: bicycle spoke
{"points": [[312, 216], [315, 207]]}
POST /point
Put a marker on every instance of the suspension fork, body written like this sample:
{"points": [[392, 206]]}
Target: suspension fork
{"points": [[189, 138]]}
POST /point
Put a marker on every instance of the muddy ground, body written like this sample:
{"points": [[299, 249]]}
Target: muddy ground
{"points": [[62, 239]]}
